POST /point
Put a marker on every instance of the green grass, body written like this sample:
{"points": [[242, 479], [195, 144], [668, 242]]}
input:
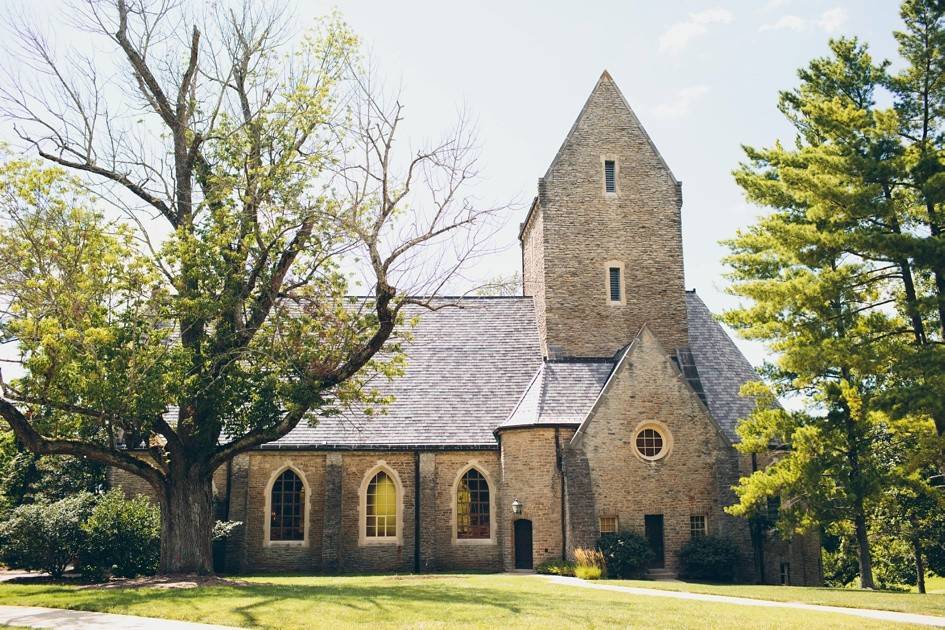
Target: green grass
{"points": [[440, 601], [934, 584], [929, 604]]}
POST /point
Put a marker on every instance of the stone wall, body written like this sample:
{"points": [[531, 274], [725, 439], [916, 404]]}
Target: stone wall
{"points": [[582, 228], [648, 388], [333, 482], [533, 267], [531, 474]]}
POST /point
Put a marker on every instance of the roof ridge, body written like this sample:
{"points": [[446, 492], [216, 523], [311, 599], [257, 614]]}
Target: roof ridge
{"points": [[579, 359]]}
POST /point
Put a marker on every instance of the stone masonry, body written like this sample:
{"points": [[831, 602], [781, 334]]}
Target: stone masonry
{"points": [[578, 229]]}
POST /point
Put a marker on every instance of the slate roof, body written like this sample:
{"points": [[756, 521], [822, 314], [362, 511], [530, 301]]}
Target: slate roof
{"points": [[561, 392], [723, 369], [478, 367], [467, 367]]}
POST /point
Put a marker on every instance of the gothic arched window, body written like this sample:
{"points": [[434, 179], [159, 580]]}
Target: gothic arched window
{"points": [[472, 506], [287, 508], [381, 510]]}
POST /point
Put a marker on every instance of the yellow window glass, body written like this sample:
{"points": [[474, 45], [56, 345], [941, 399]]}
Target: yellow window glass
{"points": [[381, 506], [472, 506]]}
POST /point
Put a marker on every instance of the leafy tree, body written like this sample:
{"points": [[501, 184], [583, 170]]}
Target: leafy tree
{"points": [[26, 477], [820, 311], [249, 189], [842, 280]]}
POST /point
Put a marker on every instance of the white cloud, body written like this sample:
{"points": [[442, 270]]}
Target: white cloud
{"points": [[832, 19], [789, 22], [682, 103], [675, 39], [829, 21], [773, 5]]}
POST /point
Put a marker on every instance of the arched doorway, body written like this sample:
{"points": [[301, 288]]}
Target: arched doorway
{"points": [[523, 543]]}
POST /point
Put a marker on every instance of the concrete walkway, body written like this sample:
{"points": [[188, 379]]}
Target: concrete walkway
{"points": [[868, 613], [63, 619]]}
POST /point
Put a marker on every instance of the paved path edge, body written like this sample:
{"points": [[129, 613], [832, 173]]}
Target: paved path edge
{"points": [[68, 619], [867, 613]]}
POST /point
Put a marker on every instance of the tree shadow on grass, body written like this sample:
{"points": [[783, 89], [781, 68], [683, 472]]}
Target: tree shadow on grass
{"points": [[268, 604]]}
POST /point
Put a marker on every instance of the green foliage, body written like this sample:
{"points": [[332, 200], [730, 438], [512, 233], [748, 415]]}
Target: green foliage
{"points": [[122, 537], [711, 558], [224, 529], [844, 279], [26, 477], [838, 553], [555, 567], [627, 554], [586, 572], [45, 536]]}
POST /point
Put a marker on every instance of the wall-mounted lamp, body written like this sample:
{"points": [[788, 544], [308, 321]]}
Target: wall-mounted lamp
{"points": [[516, 506]]}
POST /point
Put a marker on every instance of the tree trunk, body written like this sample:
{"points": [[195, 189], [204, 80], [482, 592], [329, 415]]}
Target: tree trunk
{"points": [[863, 546], [919, 564], [187, 523]]}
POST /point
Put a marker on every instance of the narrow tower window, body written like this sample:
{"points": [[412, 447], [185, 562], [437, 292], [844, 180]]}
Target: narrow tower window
{"points": [[610, 176], [615, 288]]}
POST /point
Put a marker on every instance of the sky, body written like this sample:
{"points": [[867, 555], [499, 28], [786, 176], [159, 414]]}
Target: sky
{"points": [[702, 76]]}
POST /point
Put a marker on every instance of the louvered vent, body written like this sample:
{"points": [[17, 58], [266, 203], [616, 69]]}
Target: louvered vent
{"points": [[610, 176], [615, 284]]}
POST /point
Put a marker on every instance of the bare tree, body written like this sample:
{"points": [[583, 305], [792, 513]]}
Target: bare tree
{"points": [[256, 179]]}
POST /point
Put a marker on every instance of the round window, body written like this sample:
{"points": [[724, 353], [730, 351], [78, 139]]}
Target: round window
{"points": [[650, 443]]}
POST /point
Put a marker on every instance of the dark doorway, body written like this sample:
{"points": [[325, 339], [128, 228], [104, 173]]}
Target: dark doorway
{"points": [[653, 528], [523, 544]]}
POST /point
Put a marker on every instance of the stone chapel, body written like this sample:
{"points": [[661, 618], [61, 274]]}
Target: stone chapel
{"points": [[604, 398]]}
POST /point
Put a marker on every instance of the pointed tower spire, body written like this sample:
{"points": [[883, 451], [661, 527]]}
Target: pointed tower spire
{"points": [[602, 244]]}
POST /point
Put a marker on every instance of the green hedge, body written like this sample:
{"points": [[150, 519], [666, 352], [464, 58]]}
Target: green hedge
{"points": [[626, 554], [711, 558]]}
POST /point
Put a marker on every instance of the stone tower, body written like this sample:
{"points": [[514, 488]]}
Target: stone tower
{"points": [[602, 242]]}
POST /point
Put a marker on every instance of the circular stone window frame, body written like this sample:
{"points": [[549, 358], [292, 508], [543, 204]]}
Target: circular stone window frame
{"points": [[664, 432]]}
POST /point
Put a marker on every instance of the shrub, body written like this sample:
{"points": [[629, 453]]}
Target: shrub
{"points": [[710, 558], [588, 573], [626, 554], [122, 538], [45, 536], [224, 529], [588, 564], [556, 567]]}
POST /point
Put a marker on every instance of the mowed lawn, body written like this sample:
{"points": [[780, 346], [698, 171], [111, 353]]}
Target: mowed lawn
{"points": [[440, 601], [932, 603]]}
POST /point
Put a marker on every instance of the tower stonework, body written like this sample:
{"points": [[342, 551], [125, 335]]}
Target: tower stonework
{"points": [[577, 231]]}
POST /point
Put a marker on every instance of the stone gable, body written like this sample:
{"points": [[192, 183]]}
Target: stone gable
{"points": [[576, 229], [612, 479]]}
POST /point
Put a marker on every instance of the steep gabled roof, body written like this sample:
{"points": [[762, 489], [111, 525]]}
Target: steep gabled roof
{"points": [[478, 368], [723, 369], [562, 392], [605, 87]]}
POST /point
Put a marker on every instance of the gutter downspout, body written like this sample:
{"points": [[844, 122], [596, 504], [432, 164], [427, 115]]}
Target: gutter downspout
{"points": [[559, 463], [416, 511]]}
